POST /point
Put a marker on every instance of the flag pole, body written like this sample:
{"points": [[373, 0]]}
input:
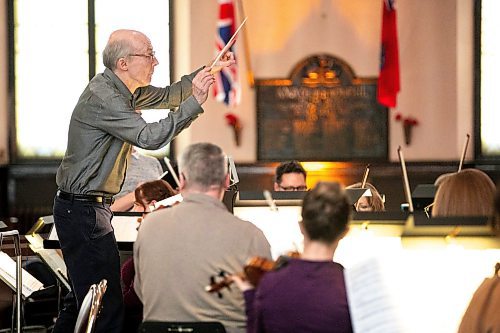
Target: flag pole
{"points": [[248, 65]]}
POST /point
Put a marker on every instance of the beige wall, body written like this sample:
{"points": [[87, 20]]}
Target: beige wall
{"points": [[3, 85], [436, 47]]}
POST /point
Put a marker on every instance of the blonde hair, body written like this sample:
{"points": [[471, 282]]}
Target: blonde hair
{"points": [[469, 192], [375, 201]]}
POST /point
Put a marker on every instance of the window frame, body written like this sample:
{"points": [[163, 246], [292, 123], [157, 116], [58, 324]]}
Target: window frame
{"points": [[479, 155], [14, 155]]}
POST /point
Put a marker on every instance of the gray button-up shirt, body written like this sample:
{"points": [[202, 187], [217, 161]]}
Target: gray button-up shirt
{"points": [[104, 126]]}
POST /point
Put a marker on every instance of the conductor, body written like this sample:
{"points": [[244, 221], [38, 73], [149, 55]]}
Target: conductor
{"points": [[103, 128]]}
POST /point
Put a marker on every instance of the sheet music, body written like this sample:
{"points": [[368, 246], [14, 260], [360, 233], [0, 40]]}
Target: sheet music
{"points": [[415, 290], [280, 227], [125, 229], [370, 303], [8, 275], [50, 257]]}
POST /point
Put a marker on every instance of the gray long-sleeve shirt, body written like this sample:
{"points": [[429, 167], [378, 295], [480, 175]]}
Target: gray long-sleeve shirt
{"points": [[104, 126]]}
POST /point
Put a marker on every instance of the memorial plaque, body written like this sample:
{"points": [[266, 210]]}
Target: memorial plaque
{"points": [[323, 112]]}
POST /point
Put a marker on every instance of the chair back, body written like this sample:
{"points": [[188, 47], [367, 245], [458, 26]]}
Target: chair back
{"points": [[89, 310], [186, 327]]}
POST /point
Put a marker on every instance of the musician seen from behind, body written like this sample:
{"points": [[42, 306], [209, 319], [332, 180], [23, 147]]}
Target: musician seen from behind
{"points": [[146, 196], [307, 294], [290, 176], [178, 249], [469, 192], [103, 128], [481, 315]]}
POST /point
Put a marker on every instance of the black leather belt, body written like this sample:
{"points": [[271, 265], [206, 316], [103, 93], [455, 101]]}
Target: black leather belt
{"points": [[84, 197]]}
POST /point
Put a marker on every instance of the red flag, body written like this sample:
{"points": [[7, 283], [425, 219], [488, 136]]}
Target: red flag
{"points": [[227, 86], [388, 80]]}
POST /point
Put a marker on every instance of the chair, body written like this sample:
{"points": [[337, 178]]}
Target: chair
{"points": [[178, 326], [89, 310]]}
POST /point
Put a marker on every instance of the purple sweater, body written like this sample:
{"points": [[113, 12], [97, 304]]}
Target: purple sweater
{"points": [[303, 296]]}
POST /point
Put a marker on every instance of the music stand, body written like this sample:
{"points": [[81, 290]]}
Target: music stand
{"points": [[49, 256], [406, 182], [278, 222], [125, 226], [423, 195]]}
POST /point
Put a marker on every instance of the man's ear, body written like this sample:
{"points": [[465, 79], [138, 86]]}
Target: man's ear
{"points": [[227, 181], [122, 64], [182, 181]]}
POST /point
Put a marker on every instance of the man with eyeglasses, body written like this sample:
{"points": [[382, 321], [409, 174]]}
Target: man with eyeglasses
{"points": [[290, 176], [103, 128]]}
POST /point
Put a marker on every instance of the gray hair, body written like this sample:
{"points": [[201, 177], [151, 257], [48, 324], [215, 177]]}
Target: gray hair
{"points": [[114, 50], [203, 165]]}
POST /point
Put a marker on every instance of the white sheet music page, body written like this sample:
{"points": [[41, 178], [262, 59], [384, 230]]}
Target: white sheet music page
{"points": [[8, 274], [371, 305]]}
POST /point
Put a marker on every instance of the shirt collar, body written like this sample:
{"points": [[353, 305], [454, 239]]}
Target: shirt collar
{"points": [[118, 83], [204, 199]]}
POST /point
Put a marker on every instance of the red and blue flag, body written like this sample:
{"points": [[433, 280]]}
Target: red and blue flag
{"points": [[227, 86]]}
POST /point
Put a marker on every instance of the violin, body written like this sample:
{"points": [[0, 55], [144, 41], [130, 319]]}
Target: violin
{"points": [[253, 272]]}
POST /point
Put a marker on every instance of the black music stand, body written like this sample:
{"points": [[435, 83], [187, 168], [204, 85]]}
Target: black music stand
{"points": [[423, 195]]}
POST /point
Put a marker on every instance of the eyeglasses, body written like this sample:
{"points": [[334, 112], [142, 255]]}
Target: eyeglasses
{"points": [[150, 56], [428, 210], [293, 188]]}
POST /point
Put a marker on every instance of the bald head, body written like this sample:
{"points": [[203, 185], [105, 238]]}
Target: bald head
{"points": [[122, 43]]}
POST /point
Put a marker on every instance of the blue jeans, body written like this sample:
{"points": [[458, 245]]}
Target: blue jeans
{"points": [[90, 252]]}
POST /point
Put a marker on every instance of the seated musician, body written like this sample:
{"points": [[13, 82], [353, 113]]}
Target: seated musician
{"points": [[178, 249], [146, 195], [306, 294], [481, 315], [290, 176], [140, 168], [373, 203], [149, 193], [469, 192]]}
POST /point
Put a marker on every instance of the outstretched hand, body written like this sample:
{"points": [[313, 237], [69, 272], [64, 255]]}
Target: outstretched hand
{"points": [[225, 61], [201, 84]]}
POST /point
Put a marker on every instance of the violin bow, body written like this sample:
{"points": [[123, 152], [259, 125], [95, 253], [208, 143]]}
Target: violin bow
{"points": [[406, 182], [365, 176], [464, 152], [363, 182]]}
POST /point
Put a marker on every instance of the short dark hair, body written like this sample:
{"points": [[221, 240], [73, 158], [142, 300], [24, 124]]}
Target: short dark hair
{"points": [[325, 212], [289, 167]]}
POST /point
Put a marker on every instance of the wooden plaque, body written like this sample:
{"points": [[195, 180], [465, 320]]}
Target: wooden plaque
{"points": [[321, 113]]}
